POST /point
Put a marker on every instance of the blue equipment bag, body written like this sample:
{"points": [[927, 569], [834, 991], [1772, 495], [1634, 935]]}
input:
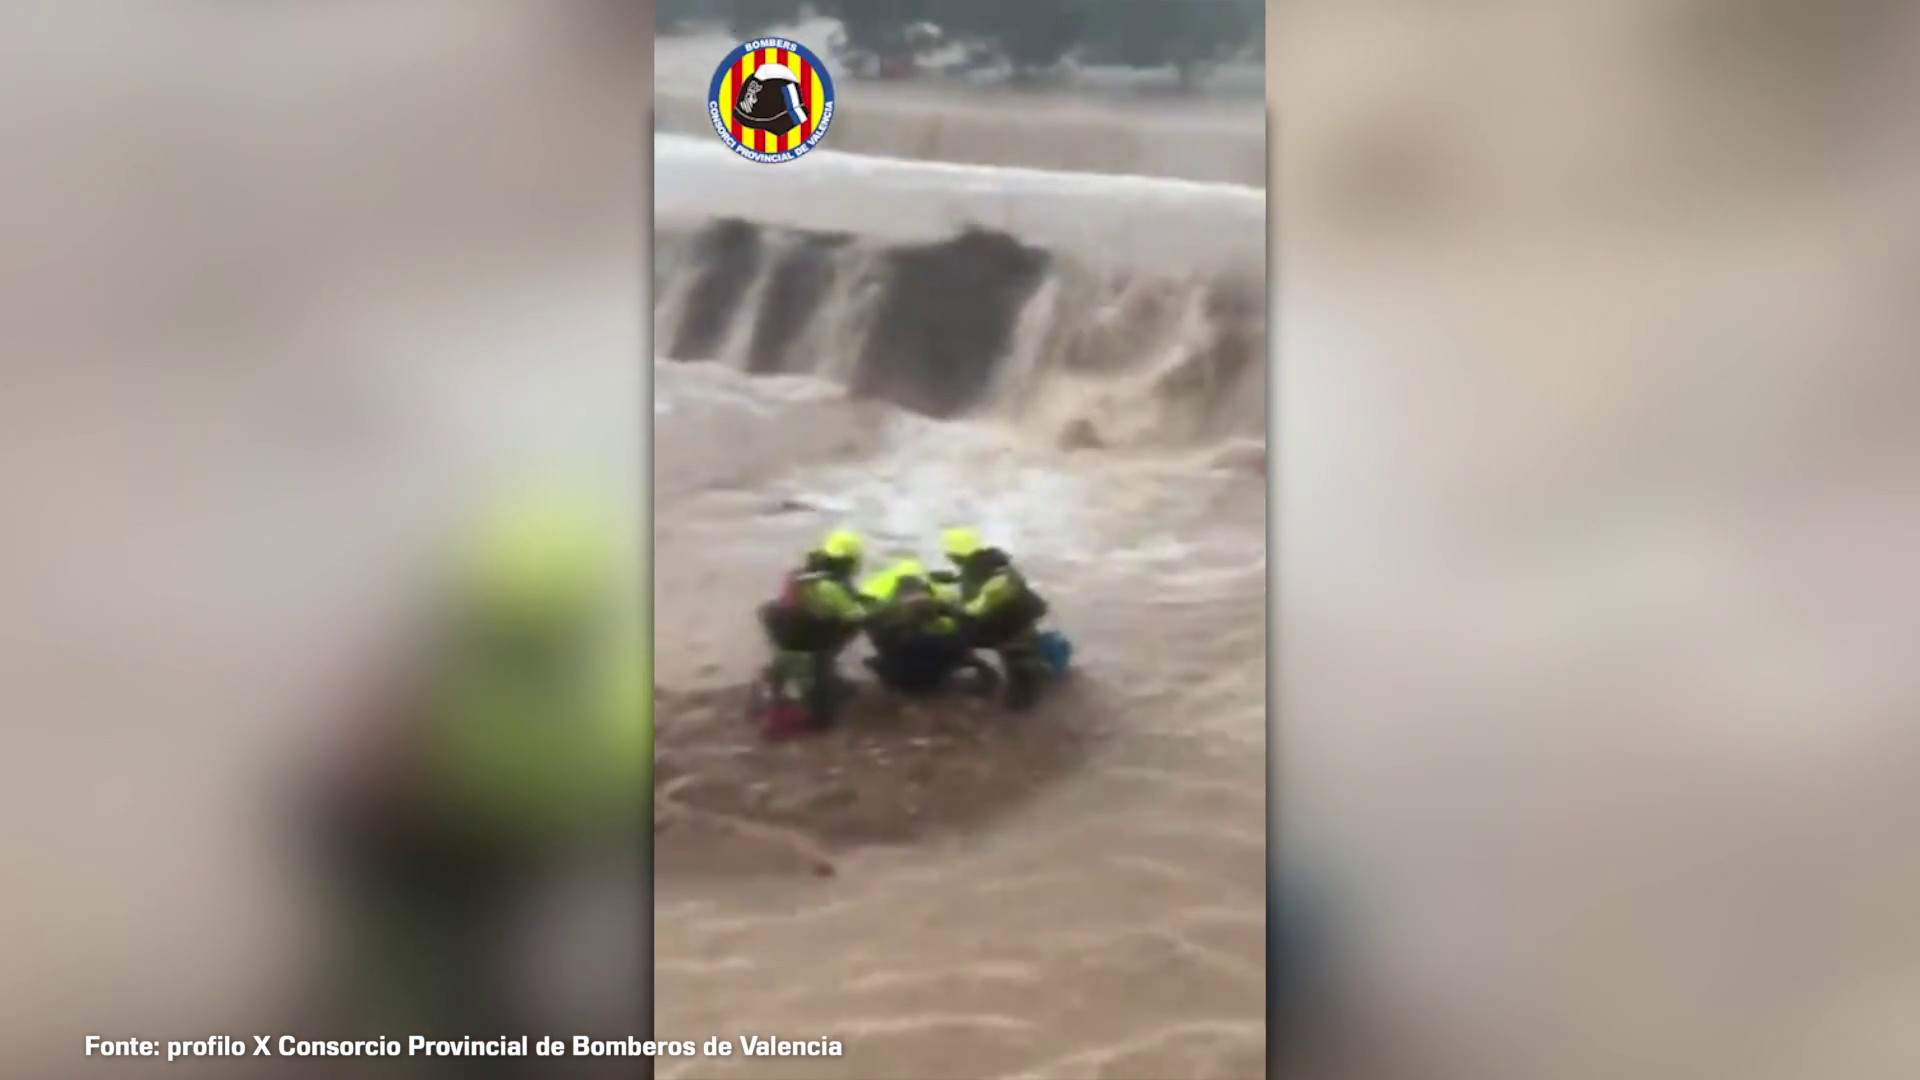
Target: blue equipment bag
{"points": [[1057, 651]]}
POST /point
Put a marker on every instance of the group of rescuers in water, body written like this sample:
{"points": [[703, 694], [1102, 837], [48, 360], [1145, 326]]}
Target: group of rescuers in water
{"points": [[513, 731], [924, 625]]}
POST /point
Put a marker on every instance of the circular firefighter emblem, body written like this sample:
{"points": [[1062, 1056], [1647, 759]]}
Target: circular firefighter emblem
{"points": [[771, 100]]}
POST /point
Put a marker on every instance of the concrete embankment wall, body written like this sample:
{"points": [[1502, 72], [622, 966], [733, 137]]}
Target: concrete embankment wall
{"points": [[1050, 135]]}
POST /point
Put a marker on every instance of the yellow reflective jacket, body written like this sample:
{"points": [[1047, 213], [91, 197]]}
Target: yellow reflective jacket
{"points": [[547, 757], [883, 591]]}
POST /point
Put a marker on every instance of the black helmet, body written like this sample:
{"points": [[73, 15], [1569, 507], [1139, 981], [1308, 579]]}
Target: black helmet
{"points": [[770, 100]]}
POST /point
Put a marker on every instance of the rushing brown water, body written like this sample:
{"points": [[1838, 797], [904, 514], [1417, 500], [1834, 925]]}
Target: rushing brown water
{"points": [[948, 890]]}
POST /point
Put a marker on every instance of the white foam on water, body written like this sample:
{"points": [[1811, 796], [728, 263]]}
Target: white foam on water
{"points": [[927, 475]]}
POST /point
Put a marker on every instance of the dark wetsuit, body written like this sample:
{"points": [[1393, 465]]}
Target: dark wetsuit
{"points": [[1002, 612], [809, 626], [918, 642]]}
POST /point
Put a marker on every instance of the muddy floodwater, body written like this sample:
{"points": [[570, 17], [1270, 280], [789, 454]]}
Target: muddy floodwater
{"points": [[950, 890]]}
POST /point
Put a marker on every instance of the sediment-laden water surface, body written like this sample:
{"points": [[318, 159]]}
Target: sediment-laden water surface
{"points": [[948, 890]]}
